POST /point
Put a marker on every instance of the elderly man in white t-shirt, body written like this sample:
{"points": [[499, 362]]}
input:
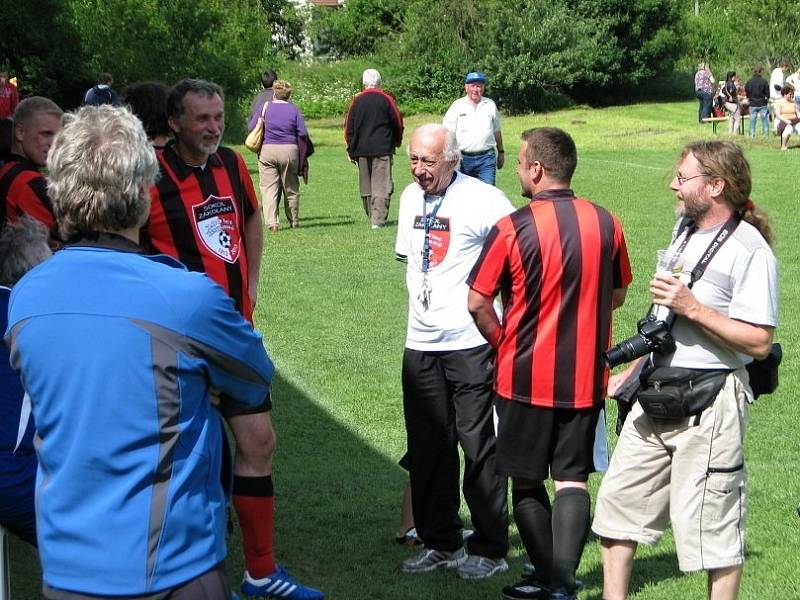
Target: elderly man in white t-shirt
{"points": [[476, 124], [443, 221]]}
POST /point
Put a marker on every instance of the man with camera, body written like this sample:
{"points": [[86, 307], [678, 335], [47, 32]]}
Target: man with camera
{"points": [[561, 266], [679, 455]]}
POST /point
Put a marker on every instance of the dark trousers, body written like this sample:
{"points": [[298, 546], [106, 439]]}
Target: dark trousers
{"points": [[706, 100], [447, 400], [211, 585]]}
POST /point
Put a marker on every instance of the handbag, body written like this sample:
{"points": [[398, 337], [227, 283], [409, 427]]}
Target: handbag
{"points": [[676, 393], [255, 139]]}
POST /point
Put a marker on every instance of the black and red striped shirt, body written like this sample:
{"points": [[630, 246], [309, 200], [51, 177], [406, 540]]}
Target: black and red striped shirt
{"points": [[197, 215], [555, 263], [23, 191]]}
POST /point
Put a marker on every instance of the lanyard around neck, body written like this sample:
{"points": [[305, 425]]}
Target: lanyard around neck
{"points": [[427, 219]]}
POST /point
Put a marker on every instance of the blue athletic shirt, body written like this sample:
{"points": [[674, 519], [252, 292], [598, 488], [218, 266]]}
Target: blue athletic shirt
{"points": [[117, 352]]}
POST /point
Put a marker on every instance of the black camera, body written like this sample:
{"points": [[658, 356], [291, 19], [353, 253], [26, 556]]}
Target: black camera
{"points": [[654, 336]]}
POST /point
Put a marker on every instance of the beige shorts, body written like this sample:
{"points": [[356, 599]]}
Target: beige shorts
{"points": [[690, 475]]}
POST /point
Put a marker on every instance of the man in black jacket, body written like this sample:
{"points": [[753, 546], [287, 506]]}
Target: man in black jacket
{"points": [[373, 128], [757, 90]]}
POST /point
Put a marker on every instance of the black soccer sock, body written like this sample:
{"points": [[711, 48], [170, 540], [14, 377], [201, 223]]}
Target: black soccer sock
{"points": [[571, 509], [533, 517]]}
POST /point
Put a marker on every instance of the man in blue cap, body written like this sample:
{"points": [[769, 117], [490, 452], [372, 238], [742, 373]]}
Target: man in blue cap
{"points": [[476, 123]]}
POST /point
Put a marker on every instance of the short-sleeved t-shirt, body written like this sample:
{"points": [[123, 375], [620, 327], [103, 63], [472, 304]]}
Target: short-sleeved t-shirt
{"points": [[740, 281], [197, 215], [473, 126], [464, 216], [555, 263]]}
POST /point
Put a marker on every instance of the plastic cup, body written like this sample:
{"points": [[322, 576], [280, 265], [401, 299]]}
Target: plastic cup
{"points": [[669, 263]]}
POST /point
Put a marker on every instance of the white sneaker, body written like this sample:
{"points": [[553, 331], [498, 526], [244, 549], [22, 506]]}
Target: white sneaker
{"points": [[481, 567], [430, 560]]}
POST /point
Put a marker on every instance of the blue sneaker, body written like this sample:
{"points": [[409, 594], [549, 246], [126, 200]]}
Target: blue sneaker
{"points": [[279, 585]]}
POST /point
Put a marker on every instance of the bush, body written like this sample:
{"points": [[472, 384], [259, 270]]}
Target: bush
{"points": [[225, 41]]}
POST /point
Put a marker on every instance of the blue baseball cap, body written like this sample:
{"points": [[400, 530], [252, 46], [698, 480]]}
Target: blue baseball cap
{"points": [[475, 77]]}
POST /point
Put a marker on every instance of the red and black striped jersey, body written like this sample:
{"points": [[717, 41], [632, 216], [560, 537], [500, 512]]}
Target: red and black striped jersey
{"points": [[555, 263], [197, 215], [23, 191]]}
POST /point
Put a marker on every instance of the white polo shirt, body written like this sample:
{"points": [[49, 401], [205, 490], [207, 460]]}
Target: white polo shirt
{"points": [[474, 126]]}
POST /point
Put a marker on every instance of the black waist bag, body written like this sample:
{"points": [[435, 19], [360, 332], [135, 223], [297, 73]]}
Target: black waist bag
{"points": [[677, 393], [764, 373]]}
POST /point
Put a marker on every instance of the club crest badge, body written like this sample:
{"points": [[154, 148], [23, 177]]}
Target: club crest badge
{"points": [[217, 223], [439, 236]]}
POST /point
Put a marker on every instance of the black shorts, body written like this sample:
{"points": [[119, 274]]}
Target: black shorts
{"points": [[232, 409], [534, 443]]}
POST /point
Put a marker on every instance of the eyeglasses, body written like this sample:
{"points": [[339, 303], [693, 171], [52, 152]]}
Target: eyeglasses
{"points": [[682, 180], [428, 163]]}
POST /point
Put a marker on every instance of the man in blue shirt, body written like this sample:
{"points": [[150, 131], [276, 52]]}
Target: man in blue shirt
{"points": [[23, 245], [120, 354]]}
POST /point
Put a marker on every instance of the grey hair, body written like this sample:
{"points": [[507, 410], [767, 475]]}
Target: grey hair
{"points": [[101, 167], [175, 106], [371, 78], [23, 245], [450, 151]]}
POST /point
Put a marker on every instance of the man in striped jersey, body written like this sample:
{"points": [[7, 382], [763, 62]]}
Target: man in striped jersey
{"points": [[561, 267], [37, 120], [205, 213]]}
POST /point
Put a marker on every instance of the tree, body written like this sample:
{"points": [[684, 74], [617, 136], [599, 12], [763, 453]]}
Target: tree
{"points": [[533, 59], [287, 26], [46, 58], [227, 41], [357, 28]]}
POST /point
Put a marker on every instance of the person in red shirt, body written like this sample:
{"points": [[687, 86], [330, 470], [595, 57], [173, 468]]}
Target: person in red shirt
{"points": [[9, 97], [23, 190], [204, 212], [561, 267]]}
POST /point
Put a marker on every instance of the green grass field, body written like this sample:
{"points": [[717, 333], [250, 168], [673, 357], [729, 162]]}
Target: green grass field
{"points": [[332, 307]]}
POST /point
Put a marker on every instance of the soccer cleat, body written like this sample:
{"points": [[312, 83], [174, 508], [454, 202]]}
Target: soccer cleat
{"points": [[527, 589], [481, 567], [279, 585], [430, 560]]}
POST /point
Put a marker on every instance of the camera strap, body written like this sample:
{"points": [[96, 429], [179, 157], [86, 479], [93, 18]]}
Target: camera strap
{"points": [[722, 236]]}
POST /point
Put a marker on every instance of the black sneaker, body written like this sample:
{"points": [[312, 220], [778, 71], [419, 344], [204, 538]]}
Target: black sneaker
{"points": [[527, 589]]}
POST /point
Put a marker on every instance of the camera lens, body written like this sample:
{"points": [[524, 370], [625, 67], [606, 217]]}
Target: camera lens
{"points": [[627, 350]]}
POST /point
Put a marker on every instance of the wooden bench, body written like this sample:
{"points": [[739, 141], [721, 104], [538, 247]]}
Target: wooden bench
{"points": [[715, 120]]}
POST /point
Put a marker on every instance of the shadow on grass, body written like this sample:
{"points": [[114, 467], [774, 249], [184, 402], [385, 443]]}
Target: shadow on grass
{"points": [[337, 509], [326, 221], [337, 504]]}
